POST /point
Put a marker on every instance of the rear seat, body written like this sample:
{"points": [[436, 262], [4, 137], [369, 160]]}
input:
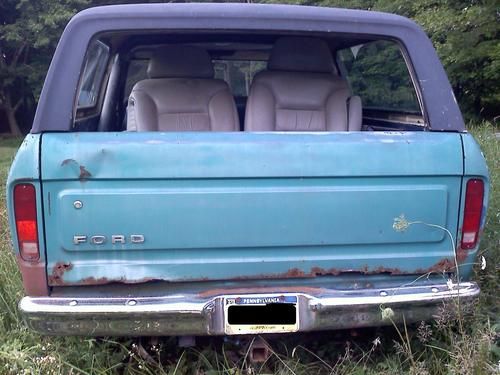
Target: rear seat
{"points": [[301, 91], [181, 94]]}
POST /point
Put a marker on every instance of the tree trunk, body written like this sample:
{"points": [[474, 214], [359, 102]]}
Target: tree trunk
{"points": [[10, 111]]}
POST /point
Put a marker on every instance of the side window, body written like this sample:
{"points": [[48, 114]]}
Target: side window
{"points": [[377, 72], [238, 74], [93, 73]]}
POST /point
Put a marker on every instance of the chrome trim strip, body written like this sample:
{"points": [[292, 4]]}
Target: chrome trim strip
{"points": [[193, 315]]}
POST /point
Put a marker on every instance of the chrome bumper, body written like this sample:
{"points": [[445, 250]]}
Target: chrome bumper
{"points": [[192, 315]]}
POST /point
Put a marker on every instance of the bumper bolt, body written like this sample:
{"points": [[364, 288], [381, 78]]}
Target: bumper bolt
{"points": [[73, 303], [315, 306], [209, 308], [383, 293]]}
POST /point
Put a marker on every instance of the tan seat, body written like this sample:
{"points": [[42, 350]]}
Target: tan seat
{"points": [[181, 94], [301, 91]]}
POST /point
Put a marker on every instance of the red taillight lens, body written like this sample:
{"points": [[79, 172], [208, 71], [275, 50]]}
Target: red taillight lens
{"points": [[26, 225], [474, 195]]}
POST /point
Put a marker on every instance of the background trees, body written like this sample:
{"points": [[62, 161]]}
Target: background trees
{"points": [[29, 31], [464, 32]]}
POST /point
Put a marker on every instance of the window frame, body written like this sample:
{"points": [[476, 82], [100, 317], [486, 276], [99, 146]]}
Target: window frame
{"points": [[82, 112]]}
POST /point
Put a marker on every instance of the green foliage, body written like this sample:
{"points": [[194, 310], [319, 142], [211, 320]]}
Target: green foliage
{"points": [[29, 31], [464, 32], [466, 36], [378, 74]]}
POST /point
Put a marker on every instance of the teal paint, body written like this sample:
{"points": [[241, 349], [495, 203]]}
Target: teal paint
{"points": [[249, 205]]}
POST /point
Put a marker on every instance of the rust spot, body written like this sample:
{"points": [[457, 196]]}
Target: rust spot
{"points": [[444, 265], [318, 271], [98, 281], [84, 174], [293, 272], [105, 280], [381, 269], [56, 277]]}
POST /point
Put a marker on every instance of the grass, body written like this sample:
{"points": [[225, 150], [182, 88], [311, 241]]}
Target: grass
{"points": [[439, 347]]}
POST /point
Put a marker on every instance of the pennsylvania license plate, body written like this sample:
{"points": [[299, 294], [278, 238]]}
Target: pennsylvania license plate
{"points": [[261, 314]]}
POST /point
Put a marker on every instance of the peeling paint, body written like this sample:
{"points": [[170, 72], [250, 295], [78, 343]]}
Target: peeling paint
{"points": [[444, 265], [318, 271], [99, 281], [83, 173], [60, 268], [105, 280]]}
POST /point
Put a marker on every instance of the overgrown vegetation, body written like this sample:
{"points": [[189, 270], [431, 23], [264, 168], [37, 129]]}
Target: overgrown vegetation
{"points": [[439, 347]]}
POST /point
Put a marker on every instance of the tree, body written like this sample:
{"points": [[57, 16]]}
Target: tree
{"points": [[465, 33], [466, 36], [29, 31]]}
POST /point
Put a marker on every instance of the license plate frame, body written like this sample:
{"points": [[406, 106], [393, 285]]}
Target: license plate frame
{"points": [[241, 314]]}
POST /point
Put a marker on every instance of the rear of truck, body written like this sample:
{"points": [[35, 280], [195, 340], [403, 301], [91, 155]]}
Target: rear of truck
{"points": [[192, 233]]}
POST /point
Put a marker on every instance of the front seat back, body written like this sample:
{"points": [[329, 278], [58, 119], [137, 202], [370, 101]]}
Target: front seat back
{"points": [[301, 91], [181, 94]]}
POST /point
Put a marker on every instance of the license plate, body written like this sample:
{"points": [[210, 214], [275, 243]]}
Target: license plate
{"points": [[261, 314]]}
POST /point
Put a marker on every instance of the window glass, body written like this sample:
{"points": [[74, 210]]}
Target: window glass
{"points": [[238, 74], [137, 71], [95, 67], [377, 72]]}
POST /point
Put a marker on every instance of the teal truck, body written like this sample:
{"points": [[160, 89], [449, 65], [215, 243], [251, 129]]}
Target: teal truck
{"points": [[219, 169]]}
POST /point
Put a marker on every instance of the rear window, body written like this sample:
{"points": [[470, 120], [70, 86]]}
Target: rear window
{"points": [[238, 74], [375, 70], [378, 73]]}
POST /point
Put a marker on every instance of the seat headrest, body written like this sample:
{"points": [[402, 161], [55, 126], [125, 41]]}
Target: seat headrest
{"points": [[178, 61], [301, 54]]}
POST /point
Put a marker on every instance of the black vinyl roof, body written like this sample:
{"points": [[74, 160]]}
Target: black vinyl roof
{"points": [[62, 79]]}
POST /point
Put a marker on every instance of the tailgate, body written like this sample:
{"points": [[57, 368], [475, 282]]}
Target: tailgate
{"points": [[133, 207]]}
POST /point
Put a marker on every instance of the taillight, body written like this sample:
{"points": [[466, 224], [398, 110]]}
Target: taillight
{"points": [[474, 195], [26, 225]]}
